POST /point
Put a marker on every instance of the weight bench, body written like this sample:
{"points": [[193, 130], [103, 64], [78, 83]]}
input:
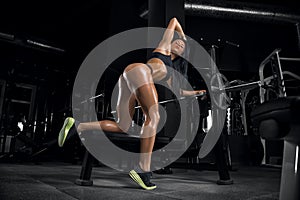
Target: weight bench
{"points": [[124, 141], [132, 143], [280, 119]]}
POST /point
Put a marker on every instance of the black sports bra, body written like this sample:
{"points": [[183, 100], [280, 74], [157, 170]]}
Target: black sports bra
{"points": [[165, 58]]}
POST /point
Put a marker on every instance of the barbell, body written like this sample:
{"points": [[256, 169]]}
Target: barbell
{"points": [[201, 94]]}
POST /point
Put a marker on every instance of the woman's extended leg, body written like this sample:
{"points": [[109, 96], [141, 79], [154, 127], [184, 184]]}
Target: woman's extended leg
{"points": [[125, 111]]}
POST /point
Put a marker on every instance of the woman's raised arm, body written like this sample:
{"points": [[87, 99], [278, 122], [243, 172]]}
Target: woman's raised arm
{"points": [[165, 43]]}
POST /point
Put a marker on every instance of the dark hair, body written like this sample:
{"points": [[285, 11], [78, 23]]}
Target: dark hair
{"points": [[180, 64], [179, 38]]}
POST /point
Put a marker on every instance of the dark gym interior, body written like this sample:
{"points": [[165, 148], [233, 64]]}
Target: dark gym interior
{"points": [[255, 46]]}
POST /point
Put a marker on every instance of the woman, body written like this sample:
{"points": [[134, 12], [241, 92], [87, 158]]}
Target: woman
{"points": [[137, 84]]}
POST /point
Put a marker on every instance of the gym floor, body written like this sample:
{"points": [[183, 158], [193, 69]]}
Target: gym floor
{"points": [[51, 180]]}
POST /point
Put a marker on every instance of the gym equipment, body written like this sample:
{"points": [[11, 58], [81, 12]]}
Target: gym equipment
{"points": [[92, 98], [129, 141], [132, 143], [277, 75], [202, 94], [29, 150], [267, 85], [263, 83], [279, 119], [125, 141]]}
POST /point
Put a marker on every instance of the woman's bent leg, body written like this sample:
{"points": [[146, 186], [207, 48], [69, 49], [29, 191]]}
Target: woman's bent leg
{"points": [[139, 80], [147, 97]]}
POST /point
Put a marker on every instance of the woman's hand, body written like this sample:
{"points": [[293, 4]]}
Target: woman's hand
{"points": [[200, 92], [192, 92]]}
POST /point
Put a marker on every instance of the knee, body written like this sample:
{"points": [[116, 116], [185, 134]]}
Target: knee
{"points": [[110, 126], [150, 126], [152, 120], [103, 125], [124, 127], [155, 118]]}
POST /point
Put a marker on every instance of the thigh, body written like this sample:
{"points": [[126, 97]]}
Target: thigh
{"points": [[146, 96], [125, 105], [140, 82]]}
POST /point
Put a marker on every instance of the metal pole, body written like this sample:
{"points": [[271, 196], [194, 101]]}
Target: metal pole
{"points": [[290, 59], [243, 86], [298, 34], [261, 74], [282, 92], [243, 11]]}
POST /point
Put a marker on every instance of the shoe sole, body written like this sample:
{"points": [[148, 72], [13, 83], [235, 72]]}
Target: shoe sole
{"points": [[137, 179], [63, 133]]}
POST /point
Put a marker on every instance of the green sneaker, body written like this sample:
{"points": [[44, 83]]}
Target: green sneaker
{"points": [[142, 179], [63, 133]]}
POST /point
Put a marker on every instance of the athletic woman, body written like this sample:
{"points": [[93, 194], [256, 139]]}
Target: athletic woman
{"points": [[137, 84]]}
